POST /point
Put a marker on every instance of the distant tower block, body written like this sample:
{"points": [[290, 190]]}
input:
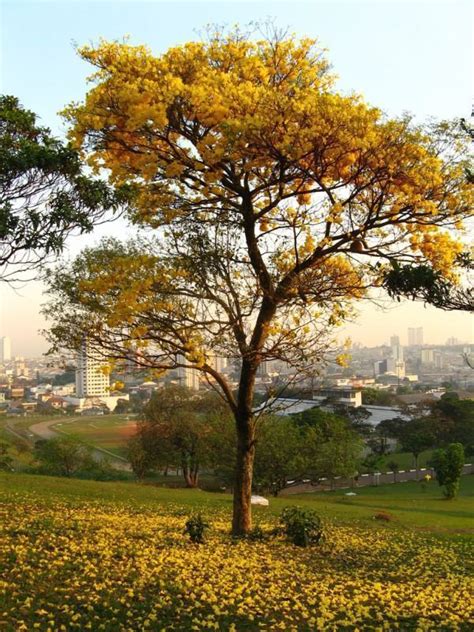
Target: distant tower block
{"points": [[415, 336], [397, 349], [188, 377], [90, 378], [218, 363], [5, 349]]}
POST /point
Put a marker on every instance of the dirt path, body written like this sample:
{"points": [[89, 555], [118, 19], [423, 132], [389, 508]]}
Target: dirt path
{"points": [[43, 429]]}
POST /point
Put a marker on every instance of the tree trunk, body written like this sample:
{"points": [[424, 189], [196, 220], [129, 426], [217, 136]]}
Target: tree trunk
{"points": [[189, 478], [242, 512], [190, 473], [194, 474]]}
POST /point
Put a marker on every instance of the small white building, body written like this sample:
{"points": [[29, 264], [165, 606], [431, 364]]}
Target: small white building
{"points": [[348, 396], [91, 402]]}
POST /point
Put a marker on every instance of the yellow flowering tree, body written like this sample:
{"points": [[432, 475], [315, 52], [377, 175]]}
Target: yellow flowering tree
{"points": [[276, 201]]}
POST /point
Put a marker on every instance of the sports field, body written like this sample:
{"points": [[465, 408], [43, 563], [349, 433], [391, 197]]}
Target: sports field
{"points": [[109, 432]]}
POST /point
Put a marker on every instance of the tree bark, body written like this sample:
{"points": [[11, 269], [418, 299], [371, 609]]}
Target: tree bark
{"points": [[190, 473], [242, 510], [245, 426]]}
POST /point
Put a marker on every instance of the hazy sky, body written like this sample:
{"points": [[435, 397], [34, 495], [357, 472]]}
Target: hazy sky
{"points": [[403, 56]]}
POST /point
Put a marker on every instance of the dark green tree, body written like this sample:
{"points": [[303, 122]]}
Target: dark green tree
{"points": [[448, 466], [393, 466], [330, 448], [122, 406], [375, 397], [44, 193], [417, 435], [278, 454], [67, 377], [179, 429], [63, 456], [139, 458], [421, 282], [454, 420], [357, 416], [371, 463]]}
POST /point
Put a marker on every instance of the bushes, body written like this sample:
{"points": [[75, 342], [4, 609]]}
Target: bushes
{"points": [[448, 466], [195, 527], [301, 526]]}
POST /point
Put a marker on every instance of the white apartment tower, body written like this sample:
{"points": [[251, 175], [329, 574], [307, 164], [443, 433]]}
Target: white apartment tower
{"points": [[218, 363], [5, 349], [396, 348], [188, 377], [90, 378], [415, 336]]}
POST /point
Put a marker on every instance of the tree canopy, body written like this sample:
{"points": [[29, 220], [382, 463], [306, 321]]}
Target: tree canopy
{"points": [[277, 202], [44, 193], [181, 428]]}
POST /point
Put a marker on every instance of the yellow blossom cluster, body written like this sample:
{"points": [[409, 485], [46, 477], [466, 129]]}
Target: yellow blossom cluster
{"points": [[83, 565]]}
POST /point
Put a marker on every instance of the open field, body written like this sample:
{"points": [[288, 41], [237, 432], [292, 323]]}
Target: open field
{"points": [[112, 556], [109, 432], [404, 460]]}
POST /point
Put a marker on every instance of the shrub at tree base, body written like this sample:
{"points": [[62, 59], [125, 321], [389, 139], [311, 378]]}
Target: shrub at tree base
{"points": [[302, 526], [195, 527]]}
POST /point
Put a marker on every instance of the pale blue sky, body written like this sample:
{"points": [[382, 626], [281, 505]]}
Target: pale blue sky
{"points": [[414, 56]]}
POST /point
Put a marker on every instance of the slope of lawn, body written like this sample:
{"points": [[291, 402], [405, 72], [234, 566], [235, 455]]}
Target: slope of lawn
{"points": [[78, 555], [19, 450]]}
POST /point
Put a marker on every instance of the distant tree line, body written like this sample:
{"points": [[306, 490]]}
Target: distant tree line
{"points": [[192, 432]]}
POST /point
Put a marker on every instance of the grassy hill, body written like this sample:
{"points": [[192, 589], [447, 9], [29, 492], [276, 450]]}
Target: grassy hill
{"points": [[81, 555]]}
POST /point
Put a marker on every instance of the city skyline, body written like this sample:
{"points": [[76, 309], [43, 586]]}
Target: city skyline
{"points": [[396, 79], [19, 349]]}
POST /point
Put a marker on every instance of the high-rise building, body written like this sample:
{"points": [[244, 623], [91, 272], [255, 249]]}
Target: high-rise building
{"points": [[91, 381], [397, 349], [5, 349], [451, 342], [218, 363], [396, 367], [394, 340], [380, 367], [415, 336], [427, 356], [188, 377]]}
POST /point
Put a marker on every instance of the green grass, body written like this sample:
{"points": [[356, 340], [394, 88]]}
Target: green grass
{"points": [[22, 458], [109, 432], [410, 504], [405, 460]]}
